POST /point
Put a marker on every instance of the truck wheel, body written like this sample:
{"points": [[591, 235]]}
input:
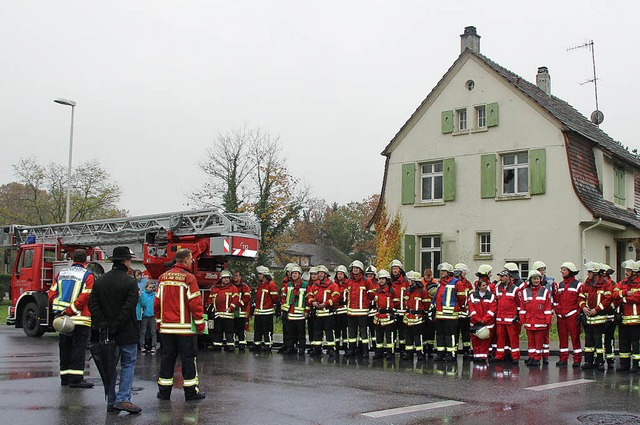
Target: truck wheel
{"points": [[30, 321]]}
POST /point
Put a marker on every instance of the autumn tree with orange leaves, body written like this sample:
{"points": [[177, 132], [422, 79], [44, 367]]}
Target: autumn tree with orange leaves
{"points": [[388, 238]]}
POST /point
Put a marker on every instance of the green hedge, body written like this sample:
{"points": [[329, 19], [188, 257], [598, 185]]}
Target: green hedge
{"points": [[5, 280]]}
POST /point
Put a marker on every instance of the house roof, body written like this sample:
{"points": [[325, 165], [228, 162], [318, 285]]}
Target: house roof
{"points": [[328, 255]]}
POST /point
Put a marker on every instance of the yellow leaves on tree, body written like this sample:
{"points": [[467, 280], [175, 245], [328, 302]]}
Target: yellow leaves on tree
{"points": [[389, 234]]}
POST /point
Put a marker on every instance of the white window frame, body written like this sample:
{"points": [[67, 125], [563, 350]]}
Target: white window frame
{"points": [[432, 249], [484, 243], [462, 119], [432, 177], [523, 267], [515, 168], [481, 116]]}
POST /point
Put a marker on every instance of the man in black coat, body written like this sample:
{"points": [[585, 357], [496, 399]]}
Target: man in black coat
{"points": [[113, 305]]}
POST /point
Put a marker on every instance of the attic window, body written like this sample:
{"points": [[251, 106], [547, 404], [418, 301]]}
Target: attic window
{"points": [[470, 85]]}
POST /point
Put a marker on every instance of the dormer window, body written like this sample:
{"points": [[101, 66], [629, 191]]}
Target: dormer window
{"points": [[619, 192]]}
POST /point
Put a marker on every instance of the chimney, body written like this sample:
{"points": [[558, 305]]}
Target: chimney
{"points": [[470, 39], [543, 80]]}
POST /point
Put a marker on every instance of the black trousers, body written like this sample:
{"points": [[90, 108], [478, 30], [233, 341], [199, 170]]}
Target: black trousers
{"points": [[629, 344], [414, 337], [357, 325], [263, 329], [609, 332], [72, 354], [323, 325], [446, 335], [593, 336], [239, 324], [222, 328], [311, 323], [382, 333], [464, 327], [186, 346], [429, 333], [296, 337], [401, 331], [341, 328]]}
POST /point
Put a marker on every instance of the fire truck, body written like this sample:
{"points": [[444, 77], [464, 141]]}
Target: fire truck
{"points": [[213, 237]]}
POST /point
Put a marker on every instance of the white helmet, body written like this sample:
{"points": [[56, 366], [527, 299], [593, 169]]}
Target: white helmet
{"points": [[607, 268], [322, 268], [64, 325], [462, 267], [592, 266], [263, 270], [512, 267], [483, 333], [288, 267], [569, 266], [484, 269], [225, 273], [537, 265], [396, 263], [313, 270], [342, 269], [446, 267], [371, 270], [383, 273], [358, 264], [415, 276], [631, 265], [533, 273], [296, 268]]}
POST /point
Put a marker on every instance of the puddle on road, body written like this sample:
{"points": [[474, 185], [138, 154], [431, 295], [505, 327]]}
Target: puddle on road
{"points": [[11, 376]]}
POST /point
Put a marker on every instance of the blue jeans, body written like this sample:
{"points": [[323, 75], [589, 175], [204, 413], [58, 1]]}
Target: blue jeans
{"points": [[127, 355]]}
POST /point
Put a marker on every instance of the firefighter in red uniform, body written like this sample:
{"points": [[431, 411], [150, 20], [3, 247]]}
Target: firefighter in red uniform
{"points": [[449, 299], [610, 326], [627, 295], [595, 300], [242, 313], [482, 312], [321, 298], [507, 318], [340, 310], [69, 295], [400, 285], [371, 273], [359, 298], [429, 336], [280, 312], [385, 319], [223, 301], [179, 315], [311, 320], [460, 271], [418, 302], [549, 283], [295, 304], [566, 299], [536, 313], [266, 297]]}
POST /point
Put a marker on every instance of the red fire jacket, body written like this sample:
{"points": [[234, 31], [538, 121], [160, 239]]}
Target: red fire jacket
{"points": [[449, 298], [244, 300], [482, 308], [343, 290], [627, 294], [383, 297], [567, 297], [418, 302], [359, 296], [325, 293], [224, 299], [468, 288], [535, 308], [508, 301], [70, 293], [266, 298], [178, 302], [596, 295], [400, 285]]}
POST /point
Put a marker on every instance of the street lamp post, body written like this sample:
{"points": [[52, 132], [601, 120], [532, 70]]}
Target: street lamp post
{"points": [[73, 106]]}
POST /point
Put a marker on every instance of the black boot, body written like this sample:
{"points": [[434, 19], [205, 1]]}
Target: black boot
{"points": [[624, 365], [389, 354], [332, 353], [378, 354], [420, 356], [611, 364], [407, 355], [634, 366]]}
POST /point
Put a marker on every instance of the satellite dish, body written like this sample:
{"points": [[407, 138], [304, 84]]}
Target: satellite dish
{"points": [[597, 117]]}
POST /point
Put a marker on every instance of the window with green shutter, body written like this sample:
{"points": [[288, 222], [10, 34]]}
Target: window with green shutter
{"points": [[619, 194], [409, 252], [537, 171], [447, 122], [449, 179], [488, 176], [408, 184], [492, 114]]}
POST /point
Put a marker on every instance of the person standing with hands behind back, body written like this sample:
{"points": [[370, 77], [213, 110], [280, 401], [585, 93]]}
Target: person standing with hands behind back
{"points": [[179, 313]]}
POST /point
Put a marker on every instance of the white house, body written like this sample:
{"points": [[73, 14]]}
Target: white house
{"points": [[491, 168]]}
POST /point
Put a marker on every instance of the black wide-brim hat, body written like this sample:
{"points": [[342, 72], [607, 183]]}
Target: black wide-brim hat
{"points": [[122, 253]]}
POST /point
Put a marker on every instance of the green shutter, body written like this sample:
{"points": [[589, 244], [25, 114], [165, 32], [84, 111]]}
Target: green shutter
{"points": [[447, 122], [409, 252], [537, 171], [619, 194], [449, 179], [408, 184], [488, 176], [492, 115]]}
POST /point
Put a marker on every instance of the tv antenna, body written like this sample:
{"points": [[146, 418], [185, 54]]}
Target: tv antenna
{"points": [[597, 117]]}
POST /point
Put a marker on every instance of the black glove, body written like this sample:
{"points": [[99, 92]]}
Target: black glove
{"points": [[278, 310], [253, 308], [516, 319]]}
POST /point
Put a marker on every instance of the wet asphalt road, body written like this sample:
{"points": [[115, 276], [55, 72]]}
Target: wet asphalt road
{"points": [[274, 389]]}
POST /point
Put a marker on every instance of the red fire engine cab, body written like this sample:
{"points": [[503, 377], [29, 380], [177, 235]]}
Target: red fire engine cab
{"points": [[213, 237]]}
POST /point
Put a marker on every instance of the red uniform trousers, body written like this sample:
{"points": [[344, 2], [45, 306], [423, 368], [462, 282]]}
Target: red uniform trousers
{"points": [[569, 327], [545, 343], [481, 346], [535, 341], [508, 340]]}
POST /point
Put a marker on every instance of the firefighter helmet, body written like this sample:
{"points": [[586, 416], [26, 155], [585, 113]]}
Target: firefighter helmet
{"points": [[512, 267], [371, 270], [462, 267], [263, 270], [445, 267], [358, 264], [288, 267], [313, 270], [484, 270], [383, 273], [296, 268], [396, 263], [322, 268], [64, 325], [631, 265], [342, 269], [483, 333], [537, 265], [415, 276], [225, 273], [592, 266], [533, 273], [569, 266]]}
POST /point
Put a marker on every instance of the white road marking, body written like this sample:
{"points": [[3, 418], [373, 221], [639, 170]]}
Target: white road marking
{"points": [[559, 385], [411, 409]]}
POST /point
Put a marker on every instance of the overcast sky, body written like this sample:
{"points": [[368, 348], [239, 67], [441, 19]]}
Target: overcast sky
{"points": [[155, 81]]}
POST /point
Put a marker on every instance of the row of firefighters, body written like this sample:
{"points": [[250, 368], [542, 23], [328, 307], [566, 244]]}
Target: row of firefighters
{"points": [[415, 314]]}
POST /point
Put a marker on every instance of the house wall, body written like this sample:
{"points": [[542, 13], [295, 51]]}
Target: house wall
{"points": [[544, 227]]}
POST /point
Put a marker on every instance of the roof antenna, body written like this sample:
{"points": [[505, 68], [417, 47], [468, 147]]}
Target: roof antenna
{"points": [[597, 117]]}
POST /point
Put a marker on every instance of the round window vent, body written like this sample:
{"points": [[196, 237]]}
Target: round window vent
{"points": [[470, 85]]}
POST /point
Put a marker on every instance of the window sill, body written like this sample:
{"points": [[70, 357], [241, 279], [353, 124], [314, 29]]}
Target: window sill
{"points": [[483, 257], [480, 130], [436, 203], [513, 197], [460, 132]]}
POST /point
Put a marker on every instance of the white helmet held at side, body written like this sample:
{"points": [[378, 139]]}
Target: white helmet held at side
{"points": [[371, 270], [64, 325], [569, 266], [592, 266], [383, 273], [445, 267], [483, 333], [484, 270], [512, 267], [537, 265], [358, 264], [396, 263], [462, 267], [533, 273], [342, 269]]}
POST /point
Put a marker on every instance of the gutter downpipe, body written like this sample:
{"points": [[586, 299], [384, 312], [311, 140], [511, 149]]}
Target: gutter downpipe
{"points": [[584, 240]]}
